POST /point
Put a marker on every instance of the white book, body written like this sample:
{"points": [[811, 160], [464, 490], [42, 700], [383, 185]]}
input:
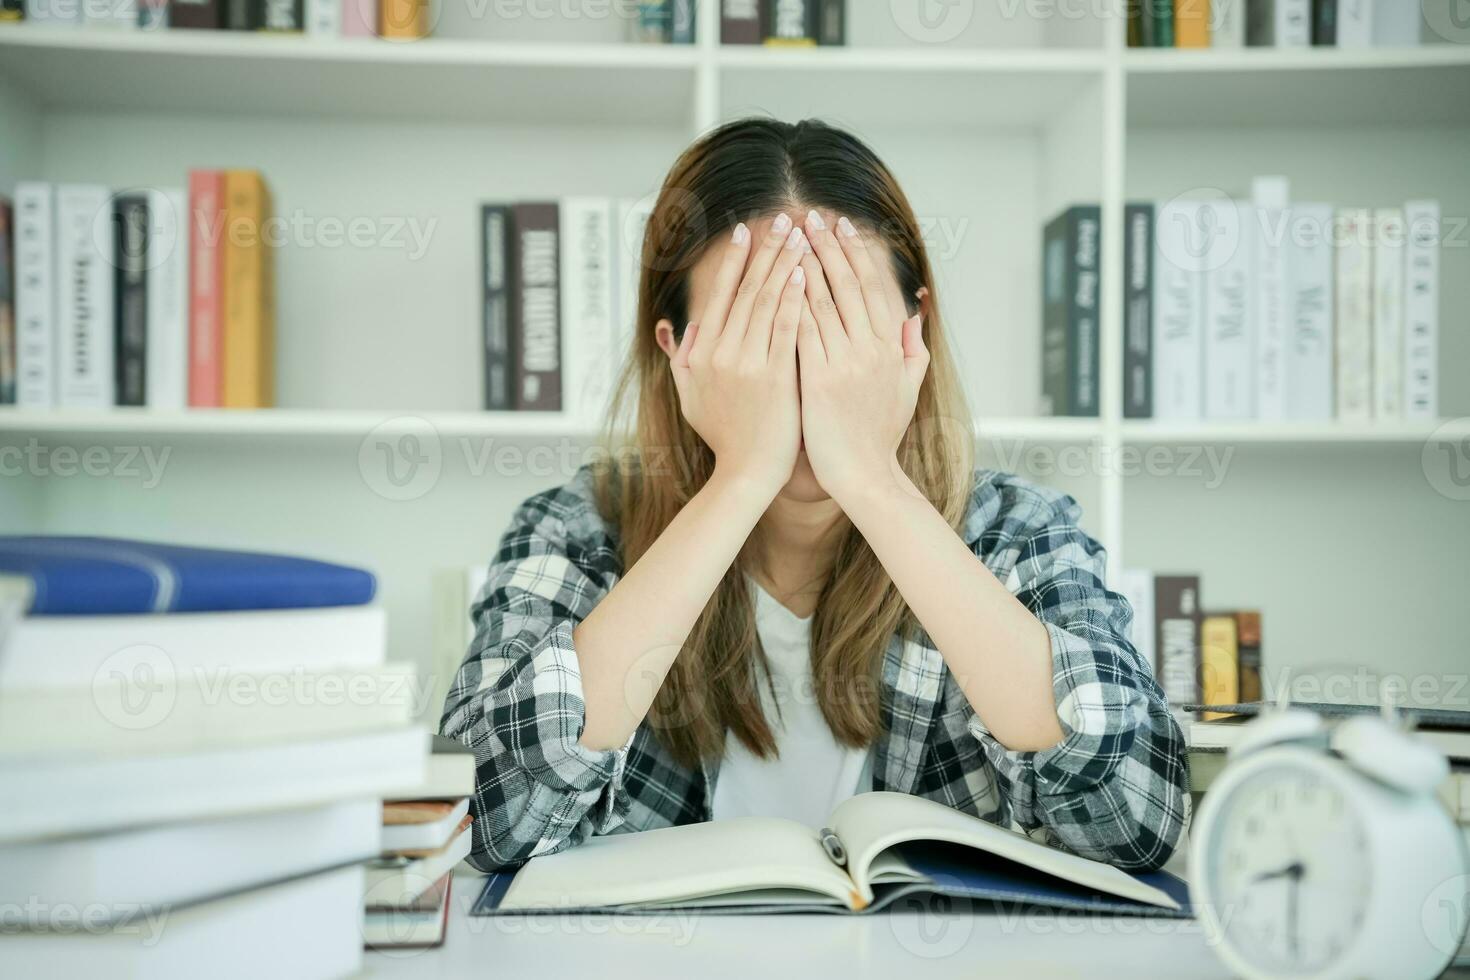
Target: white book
{"points": [[589, 331], [1397, 23], [429, 836], [53, 12], [396, 882], [453, 593], [177, 863], [1354, 326], [1178, 312], [167, 373], [1229, 355], [1421, 309], [306, 929], [73, 651], [1309, 353], [633, 218], [52, 798], [1270, 224], [1388, 313], [324, 18], [35, 295], [1355, 23], [1137, 586], [84, 296], [1227, 23], [1279, 23]]}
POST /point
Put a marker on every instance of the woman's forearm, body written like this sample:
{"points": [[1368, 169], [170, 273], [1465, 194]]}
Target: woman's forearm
{"points": [[627, 643], [998, 652]]}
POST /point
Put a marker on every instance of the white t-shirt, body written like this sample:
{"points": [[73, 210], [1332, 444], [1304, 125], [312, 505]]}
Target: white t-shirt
{"points": [[813, 772]]}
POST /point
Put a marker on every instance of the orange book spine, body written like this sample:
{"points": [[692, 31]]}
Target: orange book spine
{"points": [[1219, 664], [403, 20], [248, 343], [1191, 23]]}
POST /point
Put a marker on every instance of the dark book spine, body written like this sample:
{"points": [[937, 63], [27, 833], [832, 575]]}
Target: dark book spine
{"points": [[681, 29], [537, 306], [7, 303], [498, 267], [12, 10], [1248, 638], [200, 14], [740, 22], [130, 298], [1082, 313], [1161, 12], [653, 22], [278, 15], [240, 15], [1054, 316], [1135, 24], [1324, 23], [1176, 637], [832, 23], [789, 22], [1138, 320]]}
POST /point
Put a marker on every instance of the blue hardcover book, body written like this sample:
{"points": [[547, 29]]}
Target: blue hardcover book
{"points": [[80, 576]]}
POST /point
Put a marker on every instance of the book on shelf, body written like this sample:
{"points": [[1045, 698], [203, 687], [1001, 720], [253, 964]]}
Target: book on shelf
{"points": [[196, 14], [167, 289], [35, 298], [1137, 586], [12, 10], [1271, 291], [247, 332], [1178, 311], [1355, 23], [876, 849], [206, 229], [1070, 288], [1192, 23], [1324, 23], [7, 302], [1387, 237], [1229, 342], [740, 22], [1309, 351], [537, 304], [1279, 23], [497, 222], [130, 222], [1219, 660], [1421, 309], [1354, 327], [587, 288], [1138, 264], [84, 297], [1446, 730], [1176, 636], [789, 23], [359, 18], [403, 20], [324, 17], [1274, 23]]}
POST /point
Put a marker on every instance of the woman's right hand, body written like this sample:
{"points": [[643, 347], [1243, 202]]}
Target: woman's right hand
{"points": [[735, 368]]}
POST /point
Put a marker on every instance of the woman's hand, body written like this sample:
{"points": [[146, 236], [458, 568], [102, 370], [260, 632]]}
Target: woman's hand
{"points": [[735, 367], [862, 361]]}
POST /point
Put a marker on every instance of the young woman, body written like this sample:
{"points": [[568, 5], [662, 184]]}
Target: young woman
{"points": [[803, 591]]}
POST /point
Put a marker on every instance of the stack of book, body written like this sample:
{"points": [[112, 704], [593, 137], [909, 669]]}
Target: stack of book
{"points": [[1273, 23], [141, 298], [1253, 309], [194, 745], [783, 23], [425, 834]]}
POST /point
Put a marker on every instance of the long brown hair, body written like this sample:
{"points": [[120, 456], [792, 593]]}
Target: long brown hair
{"points": [[742, 170]]}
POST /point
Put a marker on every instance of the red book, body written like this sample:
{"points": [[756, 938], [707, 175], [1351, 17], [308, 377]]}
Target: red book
{"points": [[206, 252]]}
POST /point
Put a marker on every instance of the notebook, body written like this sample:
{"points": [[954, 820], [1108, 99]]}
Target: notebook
{"points": [[878, 848]]}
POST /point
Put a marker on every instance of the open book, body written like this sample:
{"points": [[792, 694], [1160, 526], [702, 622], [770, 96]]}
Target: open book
{"points": [[876, 849]]}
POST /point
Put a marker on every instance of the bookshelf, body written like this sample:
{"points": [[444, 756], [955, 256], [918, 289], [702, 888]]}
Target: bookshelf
{"points": [[991, 132]]}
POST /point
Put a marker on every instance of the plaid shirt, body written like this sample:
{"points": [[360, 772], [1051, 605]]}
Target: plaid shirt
{"points": [[1113, 789]]}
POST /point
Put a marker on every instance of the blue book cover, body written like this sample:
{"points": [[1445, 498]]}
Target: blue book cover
{"points": [[81, 576]]}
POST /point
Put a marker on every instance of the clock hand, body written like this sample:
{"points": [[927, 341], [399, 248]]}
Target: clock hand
{"points": [[1293, 904], [1294, 871]]}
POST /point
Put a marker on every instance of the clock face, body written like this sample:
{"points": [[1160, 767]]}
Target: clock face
{"points": [[1289, 868]]}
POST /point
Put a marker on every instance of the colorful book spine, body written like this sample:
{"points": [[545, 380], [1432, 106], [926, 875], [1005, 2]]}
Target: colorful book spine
{"points": [[359, 18], [7, 302], [1229, 357], [200, 14], [152, 15], [1161, 16], [1178, 341], [1309, 351], [740, 22], [1272, 308], [12, 10], [1191, 23], [789, 23], [1354, 328], [537, 307], [1138, 262], [35, 296], [652, 21], [1388, 313], [1355, 23], [1421, 309], [130, 221], [248, 329], [84, 297], [498, 268], [1324, 23], [587, 288], [1248, 643], [403, 20], [206, 232], [168, 300], [681, 23], [1219, 663], [1176, 637]]}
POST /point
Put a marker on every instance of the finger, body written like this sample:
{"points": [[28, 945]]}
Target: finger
{"points": [[883, 321], [756, 347], [824, 309], [809, 339], [788, 315], [681, 353], [841, 280], [915, 354], [722, 293], [757, 271]]}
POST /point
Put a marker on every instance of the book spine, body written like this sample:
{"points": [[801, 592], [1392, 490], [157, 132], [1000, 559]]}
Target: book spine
{"points": [[1219, 664], [1354, 331], [281, 16], [12, 10], [1228, 356], [1176, 637], [359, 18], [403, 20], [653, 22], [206, 231], [84, 286], [200, 14], [1162, 16], [1268, 220], [681, 27], [56, 12], [1324, 23], [832, 23], [1137, 586], [1421, 309], [1082, 325], [240, 15], [109, 13], [1227, 18], [1248, 644], [167, 291], [1135, 23], [7, 302], [537, 306], [1178, 342], [1293, 23], [587, 287], [1055, 288], [789, 23], [246, 329], [1354, 23], [35, 296], [633, 215], [1397, 23], [1191, 23], [1309, 354], [740, 22], [324, 18], [1138, 312], [1388, 313], [130, 221], [152, 14], [496, 225]]}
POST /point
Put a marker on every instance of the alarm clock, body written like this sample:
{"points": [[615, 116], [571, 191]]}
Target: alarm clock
{"points": [[1327, 855]]}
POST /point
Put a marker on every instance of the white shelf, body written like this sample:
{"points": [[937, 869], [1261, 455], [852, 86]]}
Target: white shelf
{"points": [[1294, 433]]}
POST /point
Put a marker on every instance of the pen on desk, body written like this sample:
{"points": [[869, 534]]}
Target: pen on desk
{"points": [[833, 845]]}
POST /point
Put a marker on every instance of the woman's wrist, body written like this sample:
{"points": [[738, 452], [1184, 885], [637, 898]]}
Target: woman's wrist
{"points": [[873, 491], [745, 484]]}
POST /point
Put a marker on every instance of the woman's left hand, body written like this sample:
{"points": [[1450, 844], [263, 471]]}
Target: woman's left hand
{"points": [[862, 359]]}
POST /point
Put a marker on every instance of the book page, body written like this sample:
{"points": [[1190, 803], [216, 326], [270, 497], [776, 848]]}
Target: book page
{"points": [[679, 864], [870, 823]]}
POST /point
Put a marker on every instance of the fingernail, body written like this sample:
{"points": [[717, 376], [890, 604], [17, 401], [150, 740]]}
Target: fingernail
{"points": [[815, 220], [798, 276], [742, 234], [845, 226], [795, 238], [782, 224]]}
